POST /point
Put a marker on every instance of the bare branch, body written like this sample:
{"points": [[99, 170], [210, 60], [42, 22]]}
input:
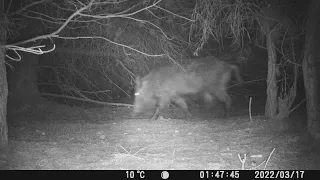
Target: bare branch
{"points": [[54, 34], [119, 44], [182, 17], [95, 28], [29, 6]]}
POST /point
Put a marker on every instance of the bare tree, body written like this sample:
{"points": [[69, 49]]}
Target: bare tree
{"points": [[279, 32], [3, 80], [270, 29], [71, 20], [115, 40], [3, 96], [309, 68]]}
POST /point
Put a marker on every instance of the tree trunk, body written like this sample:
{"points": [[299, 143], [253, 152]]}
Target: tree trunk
{"points": [[3, 84], [309, 69], [3, 101], [272, 90]]}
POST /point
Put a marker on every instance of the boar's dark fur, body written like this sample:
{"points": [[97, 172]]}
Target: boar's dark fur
{"points": [[216, 75], [206, 76], [163, 85]]}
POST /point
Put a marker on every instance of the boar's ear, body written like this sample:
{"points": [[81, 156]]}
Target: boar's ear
{"points": [[138, 83]]}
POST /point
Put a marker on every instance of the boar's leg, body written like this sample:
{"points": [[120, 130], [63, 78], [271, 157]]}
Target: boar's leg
{"points": [[161, 103], [182, 103], [225, 98]]}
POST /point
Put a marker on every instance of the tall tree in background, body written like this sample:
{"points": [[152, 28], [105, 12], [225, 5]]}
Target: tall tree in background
{"points": [[309, 68], [279, 32], [3, 82]]}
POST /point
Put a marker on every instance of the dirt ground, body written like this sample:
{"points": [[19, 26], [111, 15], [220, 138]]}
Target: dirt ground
{"points": [[55, 136]]}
